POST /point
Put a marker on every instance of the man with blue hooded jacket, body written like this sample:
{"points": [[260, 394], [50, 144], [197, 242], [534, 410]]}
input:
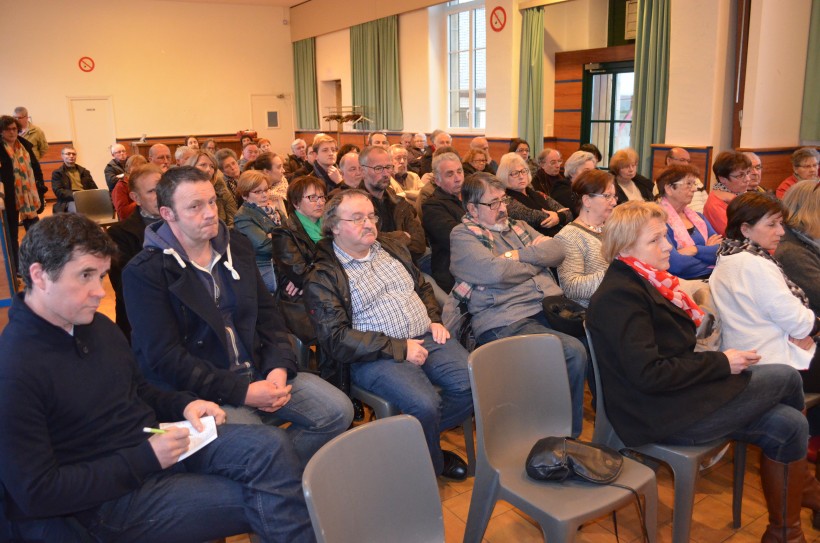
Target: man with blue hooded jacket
{"points": [[203, 321]]}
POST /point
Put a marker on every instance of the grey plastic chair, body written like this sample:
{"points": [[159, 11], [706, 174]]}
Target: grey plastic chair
{"points": [[375, 483], [382, 408], [683, 461], [96, 205], [521, 394]]}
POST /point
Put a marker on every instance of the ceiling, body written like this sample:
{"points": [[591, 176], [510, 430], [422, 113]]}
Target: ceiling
{"points": [[277, 3]]}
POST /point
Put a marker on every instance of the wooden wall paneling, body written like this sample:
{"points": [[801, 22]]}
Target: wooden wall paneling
{"points": [[567, 125], [568, 95]]}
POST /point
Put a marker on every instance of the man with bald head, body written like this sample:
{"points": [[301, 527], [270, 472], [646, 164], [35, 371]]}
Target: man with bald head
{"points": [[115, 170], [482, 144], [160, 155], [680, 157]]}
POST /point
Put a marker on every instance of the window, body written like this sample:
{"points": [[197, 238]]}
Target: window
{"points": [[467, 66], [607, 110]]}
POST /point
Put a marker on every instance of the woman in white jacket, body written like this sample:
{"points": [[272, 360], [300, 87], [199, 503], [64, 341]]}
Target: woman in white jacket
{"points": [[761, 308]]}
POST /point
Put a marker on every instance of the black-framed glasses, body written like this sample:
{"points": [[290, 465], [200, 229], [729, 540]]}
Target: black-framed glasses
{"points": [[359, 221], [380, 169], [495, 204], [519, 173], [313, 198]]}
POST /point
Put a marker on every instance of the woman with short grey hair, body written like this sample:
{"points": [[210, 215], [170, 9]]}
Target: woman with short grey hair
{"points": [[804, 164]]}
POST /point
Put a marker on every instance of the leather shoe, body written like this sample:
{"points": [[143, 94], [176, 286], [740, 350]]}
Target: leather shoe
{"points": [[358, 410], [454, 466]]}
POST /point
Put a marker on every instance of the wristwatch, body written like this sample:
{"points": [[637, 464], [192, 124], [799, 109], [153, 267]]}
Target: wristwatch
{"points": [[508, 255]]}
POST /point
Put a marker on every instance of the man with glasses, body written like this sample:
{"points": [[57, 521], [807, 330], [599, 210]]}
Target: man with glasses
{"points": [[381, 324], [502, 271], [549, 171], [203, 321], [482, 144], [804, 164], [398, 218], [33, 134], [405, 183], [732, 173], [756, 173], [115, 169], [69, 178]]}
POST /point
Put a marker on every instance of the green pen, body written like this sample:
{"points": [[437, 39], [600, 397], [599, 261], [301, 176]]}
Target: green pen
{"points": [[154, 430]]}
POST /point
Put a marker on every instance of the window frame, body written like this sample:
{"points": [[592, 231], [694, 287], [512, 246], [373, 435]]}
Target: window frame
{"points": [[612, 68], [452, 8]]}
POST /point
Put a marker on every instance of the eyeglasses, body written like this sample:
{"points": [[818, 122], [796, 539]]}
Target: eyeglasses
{"points": [[740, 175], [811, 165], [480, 160], [687, 184], [758, 168], [495, 204], [608, 196], [555, 162], [313, 198], [680, 160], [380, 169], [519, 173], [373, 218]]}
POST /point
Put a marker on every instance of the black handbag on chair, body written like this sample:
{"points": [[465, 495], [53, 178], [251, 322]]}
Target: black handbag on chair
{"points": [[564, 315], [558, 458]]}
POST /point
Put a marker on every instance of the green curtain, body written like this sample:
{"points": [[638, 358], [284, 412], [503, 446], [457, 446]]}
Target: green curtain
{"points": [[531, 80], [374, 63], [651, 78], [810, 124], [304, 78]]}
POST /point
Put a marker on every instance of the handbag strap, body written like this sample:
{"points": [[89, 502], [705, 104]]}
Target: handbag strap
{"points": [[641, 515]]}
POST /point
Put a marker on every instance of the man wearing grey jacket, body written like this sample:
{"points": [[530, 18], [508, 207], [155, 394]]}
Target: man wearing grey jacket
{"points": [[501, 268]]}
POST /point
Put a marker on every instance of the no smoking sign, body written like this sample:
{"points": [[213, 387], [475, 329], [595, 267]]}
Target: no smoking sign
{"points": [[86, 64], [498, 19]]}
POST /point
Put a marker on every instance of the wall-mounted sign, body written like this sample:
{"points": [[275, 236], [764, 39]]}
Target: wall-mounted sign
{"points": [[86, 64], [498, 19]]}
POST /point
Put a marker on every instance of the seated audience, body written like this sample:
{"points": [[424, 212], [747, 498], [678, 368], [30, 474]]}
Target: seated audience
{"points": [[124, 205], [160, 154], [249, 153], [294, 245], [475, 160], [129, 233], [72, 433], [592, 148], [760, 307], [440, 138], [502, 271], [183, 154], [228, 165], [192, 143], [428, 181], [256, 219], [416, 150], [225, 201], [549, 171], [324, 167], [406, 140], [378, 139], [404, 182], [517, 145], [115, 169], [377, 319], [264, 145], [272, 166], [482, 144], [297, 160], [397, 218], [69, 178], [657, 388], [755, 173], [351, 171], [442, 212], [731, 179], [577, 163], [583, 267], [694, 241], [541, 212], [805, 166], [678, 156], [799, 248], [345, 149], [209, 145], [628, 184], [203, 321], [245, 140]]}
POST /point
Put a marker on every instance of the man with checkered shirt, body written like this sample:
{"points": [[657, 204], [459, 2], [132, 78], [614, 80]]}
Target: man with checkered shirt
{"points": [[379, 322]]}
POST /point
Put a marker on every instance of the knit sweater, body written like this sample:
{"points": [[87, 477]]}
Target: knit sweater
{"points": [[583, 267]]}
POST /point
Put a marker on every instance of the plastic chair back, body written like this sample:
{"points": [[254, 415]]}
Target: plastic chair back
{"points": [[96, 205], [375, 483]]}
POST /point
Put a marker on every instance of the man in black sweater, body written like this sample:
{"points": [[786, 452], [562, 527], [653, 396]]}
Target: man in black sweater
{"points": [[75, 454]]}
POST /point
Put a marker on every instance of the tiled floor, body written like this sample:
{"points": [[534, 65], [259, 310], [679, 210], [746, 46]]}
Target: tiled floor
{"points": [[711, 521]]}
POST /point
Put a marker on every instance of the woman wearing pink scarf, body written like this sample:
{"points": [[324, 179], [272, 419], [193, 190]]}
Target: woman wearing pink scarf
{"points": [[694, 241]]}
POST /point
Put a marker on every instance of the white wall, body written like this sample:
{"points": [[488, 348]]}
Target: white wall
{"points": [[333, 63], [419, 70], [569, 26], [701, 62], [775, 73], [172, 68]]}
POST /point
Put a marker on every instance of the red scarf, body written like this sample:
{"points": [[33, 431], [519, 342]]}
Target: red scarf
{"points": [[668, 285]]}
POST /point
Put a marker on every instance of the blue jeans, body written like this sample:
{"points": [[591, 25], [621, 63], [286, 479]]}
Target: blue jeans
{"points": [[575, 355], [249, 479], [268, 275], [410, 388], [766, 413], [317, 411]]}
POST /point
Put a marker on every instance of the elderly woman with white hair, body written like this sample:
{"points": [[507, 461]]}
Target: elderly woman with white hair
{"points": [[804, 164], [541, 212], [577, 163]]}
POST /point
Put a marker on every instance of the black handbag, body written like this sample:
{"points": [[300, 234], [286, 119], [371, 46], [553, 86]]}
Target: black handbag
{"points": [[564, 315], [558, 458]]}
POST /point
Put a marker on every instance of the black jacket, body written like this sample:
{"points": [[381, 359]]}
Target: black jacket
{"points": [[61, 184], [400, 217], [654, 383], [293, 253], [112, 170], [327, 299], [645, 186], [441, 213]]}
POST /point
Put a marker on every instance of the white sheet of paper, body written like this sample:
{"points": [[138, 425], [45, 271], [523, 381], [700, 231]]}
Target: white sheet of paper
{"points": [[198, 439]]}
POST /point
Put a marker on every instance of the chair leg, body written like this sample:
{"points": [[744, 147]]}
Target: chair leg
{"points": [[482, 503], [469, 445], [649, 492], [684, 503], [740, 474]]}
